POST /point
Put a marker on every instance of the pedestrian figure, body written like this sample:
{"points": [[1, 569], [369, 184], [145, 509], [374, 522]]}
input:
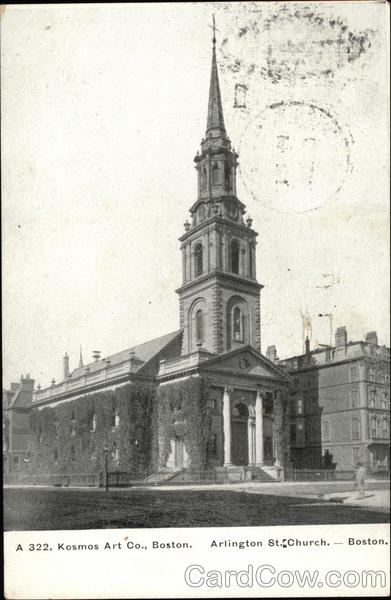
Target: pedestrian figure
{"points": [[360, 479]]}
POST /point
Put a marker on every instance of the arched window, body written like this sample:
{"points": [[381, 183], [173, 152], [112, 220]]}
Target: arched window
{"points": [[198, 260], [237, 324], [199, 326], [227, 176], [235, 256], [251, 261], [204, 178], [215, 174]]}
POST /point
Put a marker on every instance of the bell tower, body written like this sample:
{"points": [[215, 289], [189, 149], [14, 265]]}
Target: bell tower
{"points": [[220, 296]]}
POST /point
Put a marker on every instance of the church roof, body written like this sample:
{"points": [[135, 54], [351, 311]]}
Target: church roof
{"points": [[215, 107], [142, 354]]}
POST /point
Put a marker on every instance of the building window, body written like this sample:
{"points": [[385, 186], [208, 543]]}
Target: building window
{"points": [[371, 397], [354, 399], [40, 435], [300, 406], [15, 462], [371, 374], [93, 422], [199, 326], [356, 433], [198, 260], [215, 174], [204, 178], [356, 456], [213, 444], [383, 401], [56, 427], [373, 427], [251, 261], [353, 373], [73, 453], [211, 403], [235, 256], [293, 433], [227, 176], [237, 332], [114, 452], [325, 431], [114, 421], [55, 454], [385, 428]]}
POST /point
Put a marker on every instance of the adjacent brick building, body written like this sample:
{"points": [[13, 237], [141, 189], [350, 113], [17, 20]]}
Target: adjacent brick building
{"points": [[17, 403], [340, 405]]}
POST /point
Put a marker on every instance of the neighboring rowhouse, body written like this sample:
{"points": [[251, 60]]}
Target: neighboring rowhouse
{"points": [[201, 397], [340, 405], [16, 425]]}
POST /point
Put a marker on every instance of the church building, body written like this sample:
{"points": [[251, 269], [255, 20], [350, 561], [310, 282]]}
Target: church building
{"points": [[202, 397]]}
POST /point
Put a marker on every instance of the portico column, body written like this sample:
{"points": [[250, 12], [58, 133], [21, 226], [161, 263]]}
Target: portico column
{"points": [[227, 426], [250, 435], [259, 429]]}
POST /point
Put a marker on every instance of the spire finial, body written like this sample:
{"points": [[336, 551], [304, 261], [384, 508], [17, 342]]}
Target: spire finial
{"points": [[215, 109], [214, 28]]}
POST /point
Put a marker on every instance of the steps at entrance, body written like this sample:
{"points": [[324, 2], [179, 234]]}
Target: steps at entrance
{"points": [[260, 474], [162, 476]]}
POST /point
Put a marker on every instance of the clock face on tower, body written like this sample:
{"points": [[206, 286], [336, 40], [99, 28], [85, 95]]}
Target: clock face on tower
{"points": [[232, 210]]}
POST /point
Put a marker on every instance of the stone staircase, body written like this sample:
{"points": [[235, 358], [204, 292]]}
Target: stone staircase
{"points": [[266, 474], [162, 476]]}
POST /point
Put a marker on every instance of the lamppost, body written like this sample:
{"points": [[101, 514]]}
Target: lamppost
{"points": [[106, 451]]}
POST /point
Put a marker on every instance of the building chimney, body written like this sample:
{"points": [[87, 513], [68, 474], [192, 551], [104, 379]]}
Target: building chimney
{"points": [[371, 338], [341, 336], [271, 353], [65, 362], [307, 346]]}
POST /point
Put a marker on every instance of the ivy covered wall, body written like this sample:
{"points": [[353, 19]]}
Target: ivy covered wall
{"points": [[182, 413], [281, 428], [71, 437]]}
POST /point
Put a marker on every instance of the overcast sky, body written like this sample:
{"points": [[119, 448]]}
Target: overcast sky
{"points": [[103, 110]]}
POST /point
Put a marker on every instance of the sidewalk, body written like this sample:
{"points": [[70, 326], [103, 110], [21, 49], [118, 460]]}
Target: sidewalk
{"points": [[379, 499]]}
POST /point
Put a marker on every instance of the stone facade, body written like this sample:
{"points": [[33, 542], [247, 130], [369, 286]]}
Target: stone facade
{"points": [[340, 405]]}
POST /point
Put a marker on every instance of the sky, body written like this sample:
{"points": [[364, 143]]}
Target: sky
{"points": [[103, 110]]}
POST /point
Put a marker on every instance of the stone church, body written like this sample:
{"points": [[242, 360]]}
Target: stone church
{"points": [[203, 397]]}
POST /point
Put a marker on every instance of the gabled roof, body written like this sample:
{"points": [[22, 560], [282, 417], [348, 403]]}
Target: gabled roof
{"points": [[143, 352], [261, 366]]}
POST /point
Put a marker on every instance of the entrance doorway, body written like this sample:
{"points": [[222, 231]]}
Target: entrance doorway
{"points": [[240, 435]]}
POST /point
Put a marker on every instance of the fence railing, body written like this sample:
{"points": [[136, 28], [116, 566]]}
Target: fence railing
{"points": [[318, 475], [56, 480]]}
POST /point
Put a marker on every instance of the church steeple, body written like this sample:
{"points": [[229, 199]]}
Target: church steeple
{"points": [[215, 123], [219, 296]]}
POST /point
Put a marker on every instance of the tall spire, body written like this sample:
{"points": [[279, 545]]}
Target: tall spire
{"points": [[215, 124], [81, 359]]}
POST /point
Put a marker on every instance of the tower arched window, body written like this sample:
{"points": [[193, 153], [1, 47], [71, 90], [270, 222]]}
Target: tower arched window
{"points": [[198, 260], [204, 178], [235, 256], [251, 261], [237, 332], [227, 176], [215, 174], [199, 318]]}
